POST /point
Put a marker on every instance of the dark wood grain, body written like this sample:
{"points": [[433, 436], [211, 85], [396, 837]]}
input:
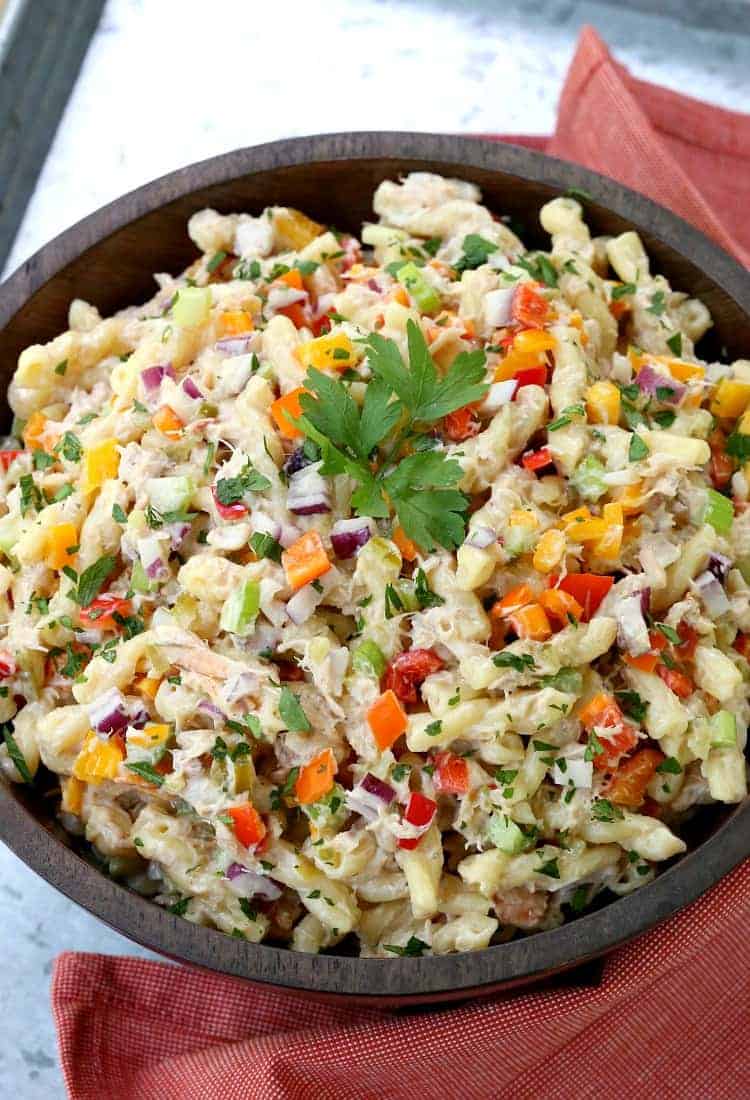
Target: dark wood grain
{"points": [[107, 259]]}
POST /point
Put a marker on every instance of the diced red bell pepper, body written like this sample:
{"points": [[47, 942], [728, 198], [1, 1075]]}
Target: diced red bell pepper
{"points": [[677, 682], [588, 588], [686, 650], [537, 460], [742, 645], [99, 614], [319, 326], [621, 741], [530, 376], [8, 666], [297, 314], [529, 308], [461, 424], [451, 775], [289, 672], [420, 812], [407, 671], [721, 466], [6, 457], [229, 511]]}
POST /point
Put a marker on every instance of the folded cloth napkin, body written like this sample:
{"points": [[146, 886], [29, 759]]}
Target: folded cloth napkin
{"points": [[668, 1017]]}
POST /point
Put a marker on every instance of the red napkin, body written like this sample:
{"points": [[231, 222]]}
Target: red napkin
{"points": [[669, 1016]]}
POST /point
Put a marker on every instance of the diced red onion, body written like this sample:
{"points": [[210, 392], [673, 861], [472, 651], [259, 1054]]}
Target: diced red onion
{"points": [[349, 535], [499, 394], [364, 803], [109, 713], [649, 381], [303, 603], [207, 707], [373, 284], [481, 537], [719, 565], [191, 389], [234, 345], [497, 307], [138, 716], [150, 553], [248, 884], [152, 377], [632, 631], [645, 600], [309, 493], [378, 787], [177, 532], [713, 595], [239, 687], [296, 461]]}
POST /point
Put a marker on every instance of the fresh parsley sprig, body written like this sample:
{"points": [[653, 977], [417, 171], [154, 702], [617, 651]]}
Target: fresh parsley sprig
{"points": [[401, 402]]}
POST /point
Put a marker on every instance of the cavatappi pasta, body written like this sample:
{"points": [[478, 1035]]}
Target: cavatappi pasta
{"points": [[395, 587]]}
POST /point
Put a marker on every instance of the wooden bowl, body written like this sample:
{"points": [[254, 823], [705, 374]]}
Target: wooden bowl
{"points": [[108, 259]]}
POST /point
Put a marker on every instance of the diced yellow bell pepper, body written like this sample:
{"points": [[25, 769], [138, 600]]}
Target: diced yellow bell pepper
{"points": [[576, 516], [744, 425], [549, 551], [533, 341], [100, 463], [730, 399], [519, 517], [244, 775], [72, 795], [153, 735], [97, 760], [679, 369], [293, 229], [334, 351], [60, 539], [609, 544], [587, 530], [34, 430], [603, 403]]}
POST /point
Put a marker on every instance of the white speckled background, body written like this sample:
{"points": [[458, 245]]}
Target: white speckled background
{"points": [[167, 82]]}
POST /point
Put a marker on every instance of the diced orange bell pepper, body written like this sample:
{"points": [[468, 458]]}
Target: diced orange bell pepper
{"points": [[406, 547], [628, 787], [61, 541], [387, 719], [647, 662], [399, 294], [292, 279], [316, 778], [600, 710], [533, 341], [72, 795], [166, 420], [148, 686], [305, 560], [248, 824], [677, 682], [297, 314], [34, 429], [560, 605], [518, 597], [233, 322], [334, 351], [529, 307], [286, 409], [631, 499], [608, 546], [531, 622]]}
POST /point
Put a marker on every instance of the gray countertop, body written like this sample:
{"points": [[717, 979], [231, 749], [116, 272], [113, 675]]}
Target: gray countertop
{"points": [[162, 86]]}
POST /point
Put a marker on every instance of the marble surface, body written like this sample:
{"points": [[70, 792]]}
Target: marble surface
{"points": [[163, 85]]}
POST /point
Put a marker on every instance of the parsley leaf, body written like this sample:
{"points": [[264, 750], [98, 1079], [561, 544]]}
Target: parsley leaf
{"points": [[291, 712], [230, 490], [92, 579], [622, 290], [603, 810], [669, 633], [658, 305], [424, 594], [674, 343], [42, 460], [414, 948], [518, 661], [264, 545], [638, 449], [147, 772], [738, 446], [549, 868], [71, 447], [632, 704], [476, 252], [15, 753]]}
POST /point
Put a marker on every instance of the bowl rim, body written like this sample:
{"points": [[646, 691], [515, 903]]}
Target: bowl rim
{"points": [[433, 977]]}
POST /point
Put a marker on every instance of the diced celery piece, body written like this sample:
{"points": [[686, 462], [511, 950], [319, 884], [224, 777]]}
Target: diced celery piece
{"points": [[408, 596], [588, 478], [567, 679], [330, 812], [505, 834], [369, 659], [240, 609], [382, 235], [426, 297], [139, 582], [193, 306], [519, 539], [10, 527], [719, 512], [723, 727], [170, 494]]}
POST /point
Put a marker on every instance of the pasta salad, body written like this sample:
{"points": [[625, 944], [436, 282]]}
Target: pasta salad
{"points": [[395, 586]]}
